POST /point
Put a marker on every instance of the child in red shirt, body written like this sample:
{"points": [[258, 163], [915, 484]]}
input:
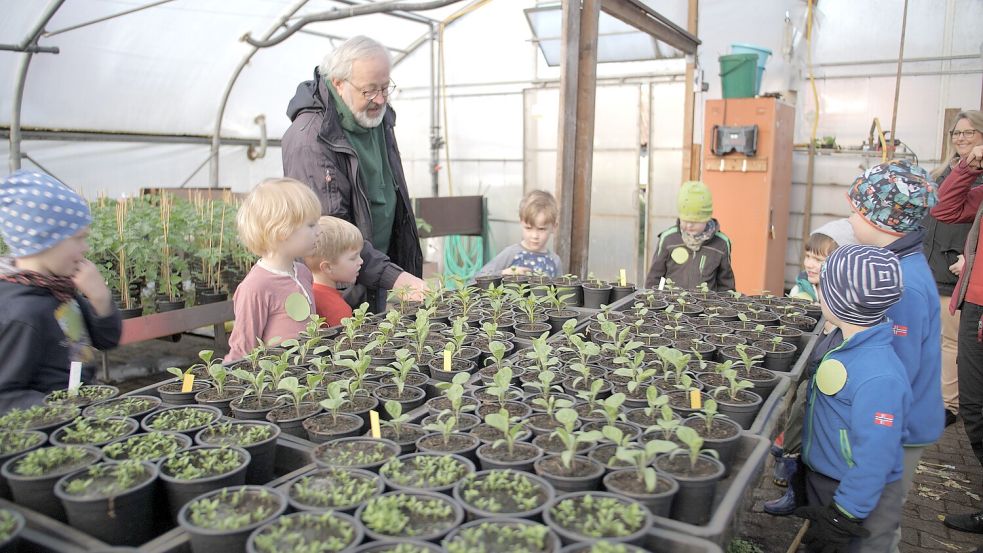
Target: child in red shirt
{"points": [[336, 260]]}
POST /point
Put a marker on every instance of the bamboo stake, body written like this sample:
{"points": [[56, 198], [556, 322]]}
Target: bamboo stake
{"points": [[221, 238], [124, 285], [165, 220]]}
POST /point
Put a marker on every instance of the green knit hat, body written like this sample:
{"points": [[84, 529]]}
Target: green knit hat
{"points": [[695, 203]]}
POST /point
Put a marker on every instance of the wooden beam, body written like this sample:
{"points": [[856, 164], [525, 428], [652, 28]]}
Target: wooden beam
{"points": [[584, 142], [567, 131], [948, 121], [689, 106], [643, 18]]}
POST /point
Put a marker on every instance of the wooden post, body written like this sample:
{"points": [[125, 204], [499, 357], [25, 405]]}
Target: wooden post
{"points": [[575, 151], [691, 168]]}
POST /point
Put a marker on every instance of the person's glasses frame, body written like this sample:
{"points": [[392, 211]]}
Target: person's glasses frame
{"points": [[374, 93], [964, 134]]}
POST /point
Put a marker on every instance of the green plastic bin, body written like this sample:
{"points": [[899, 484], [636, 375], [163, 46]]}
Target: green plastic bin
{"points": [[739, 75]]}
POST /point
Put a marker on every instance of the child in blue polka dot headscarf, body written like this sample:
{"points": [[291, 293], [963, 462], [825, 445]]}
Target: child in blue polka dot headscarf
{"points": [[56, 305]]}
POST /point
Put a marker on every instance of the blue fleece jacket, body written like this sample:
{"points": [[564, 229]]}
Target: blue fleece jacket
{"points": [[853, 435], [917, 341]]}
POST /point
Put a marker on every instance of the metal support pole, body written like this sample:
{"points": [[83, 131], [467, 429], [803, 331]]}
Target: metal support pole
{"points": [[435, 140], [105, 18], [21, 80], [217, 135]]}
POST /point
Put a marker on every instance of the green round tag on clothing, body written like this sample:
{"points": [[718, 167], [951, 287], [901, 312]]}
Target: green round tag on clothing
{"points": [[69, 317], [831, 377], [680, 255], [297, 307]]}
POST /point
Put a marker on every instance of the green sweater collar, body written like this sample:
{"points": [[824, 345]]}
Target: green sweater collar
{"points": [[345, 114]]}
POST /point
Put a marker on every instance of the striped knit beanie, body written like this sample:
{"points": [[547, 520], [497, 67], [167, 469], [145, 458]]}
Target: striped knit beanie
{"points": [[860, 283], [37, 212]]}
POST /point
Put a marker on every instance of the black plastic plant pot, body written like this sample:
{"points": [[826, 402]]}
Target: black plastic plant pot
{"points": [[252, 408], [289, 421], [324, 489], [14, 443], [307, 532], [125, 517], [84, 396], [262, 453], [181, 491], [595, 296], [431, 515], [458, 443], [44, 418], [411, 398], [13, 519], [103, 431], [605, 454], [131, 312], [625, 482], [409, 433], [724, 438], [487, 281], [465, 421], [530, 331], [588, 547], [187, 419], [170, 392], [778, 356], [523, 456], [575, 520], [140, 446], [36, 491], [423, 472], [510, 493], [398, 546], [135, 407], [584, 476], [742, 412], [264, 504], [437, 372], [500, 535], [205, 298], [355, 452], [210, 397], [163, 306], [327, 427], [621, 292], [696, 488]]}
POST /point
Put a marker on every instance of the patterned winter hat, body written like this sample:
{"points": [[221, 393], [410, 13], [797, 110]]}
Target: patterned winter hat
{"points": [[37, 212], [860, 283], [694, 202], [893, 196]]}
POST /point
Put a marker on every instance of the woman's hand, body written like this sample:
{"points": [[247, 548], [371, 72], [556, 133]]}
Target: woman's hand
{"points": [[957, 267], [974, 158]]}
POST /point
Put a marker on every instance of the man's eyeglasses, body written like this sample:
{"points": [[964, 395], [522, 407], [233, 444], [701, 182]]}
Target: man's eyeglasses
{"points": [[964, 134], [373, 93]]}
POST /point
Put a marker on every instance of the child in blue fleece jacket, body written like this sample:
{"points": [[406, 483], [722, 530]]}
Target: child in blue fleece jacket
{"points": [[858, 406]]}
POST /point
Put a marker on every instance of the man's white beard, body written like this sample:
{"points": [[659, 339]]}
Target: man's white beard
{"points": [[370, 122]]}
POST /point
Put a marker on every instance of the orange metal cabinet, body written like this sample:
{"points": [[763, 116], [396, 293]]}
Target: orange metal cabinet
{"points": [[751, 194]]}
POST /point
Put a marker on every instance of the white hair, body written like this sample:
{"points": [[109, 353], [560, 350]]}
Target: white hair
{"points": [[338, 64]]}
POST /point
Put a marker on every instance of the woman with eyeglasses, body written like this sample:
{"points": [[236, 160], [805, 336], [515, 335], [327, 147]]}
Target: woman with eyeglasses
{"points": [[960, 199], [943, 245]]}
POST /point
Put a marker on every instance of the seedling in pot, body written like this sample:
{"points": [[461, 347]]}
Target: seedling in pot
{"points": [[569, 329], [143, 447], [555, 300], [654, 401], [91, 430], [424, 471], [351, 325], [387, 328], [501, 385], [122, 407], [615, 435], [107, 479], [685, 383], [399, 370], [510, 427], [586, 350], [337, 393], [641, 460], [13, 441], [334, 488], [667, 423], [181, 419], [734, 385], [201, 463], [694, 446], [466, 297], [635, 369], [445, 425], [571, 438], [675, 359], [256, 382], [590, 396], [299, 392], [232, 508], [50, 459], [206, 355], [709, 413], [260, 351], [545, 387], [401, 296], [511, 536], [359, 364], [498, 351], [454, 392], [419, 331], [610, 408], [396, 417], [458, 335], [407, 515], [8, 525], [618, 341], [306, 533], [747, 360], [530, 305], [599, 517], [242, 434], [502, 492], [542, 353]]}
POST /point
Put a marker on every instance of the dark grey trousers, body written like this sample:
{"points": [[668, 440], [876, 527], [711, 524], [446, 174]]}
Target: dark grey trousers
{"points": [[882, 521], [969, 361]]}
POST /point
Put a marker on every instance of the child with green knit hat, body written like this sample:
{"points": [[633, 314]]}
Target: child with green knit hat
{"points": [[693, 251]]}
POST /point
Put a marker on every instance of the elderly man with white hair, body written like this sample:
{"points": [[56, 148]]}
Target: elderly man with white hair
{"points": [[341, 144]]}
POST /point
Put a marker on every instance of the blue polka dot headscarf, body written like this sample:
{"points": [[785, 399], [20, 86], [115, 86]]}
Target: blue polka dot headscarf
{"points": [[37, 212]]}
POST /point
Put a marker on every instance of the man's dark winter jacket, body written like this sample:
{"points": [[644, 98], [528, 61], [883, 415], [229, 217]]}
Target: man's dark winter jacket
{"points": [[315, 146], [34, 359]]}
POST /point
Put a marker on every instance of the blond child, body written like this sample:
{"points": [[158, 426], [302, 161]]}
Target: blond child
{"points": [[538, 213], [278, 222], [820, 244], [336, 260]]}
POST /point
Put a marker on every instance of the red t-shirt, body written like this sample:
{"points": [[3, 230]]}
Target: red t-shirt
{"points": [[330, 305]]}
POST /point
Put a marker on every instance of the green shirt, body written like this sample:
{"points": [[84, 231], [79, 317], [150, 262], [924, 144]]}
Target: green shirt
{"points": [[375, 171]]}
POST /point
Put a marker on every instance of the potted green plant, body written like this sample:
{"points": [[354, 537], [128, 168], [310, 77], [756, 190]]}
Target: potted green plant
{"points": [[93, 431], [187, 419], [697, 471], [507, 451], [399, 371], [135, 407], [219, 395], [503, 493], [32, 475], [13, 443], [596, 292], [446, 436], [38, 417], [81, 396], [201, 469], [398, 546], [569, 472], [747, 360], [172, 391], [425, 471], [333, 424], [255, 403], [424, 516], [335, 489], [258, 438], [395, 427], [325, 532], [11, 525], [598, 516], [602, 547], [502, 535], [221, 521], [149, 446], [779, 354], [290, 418], [355, 452], [112, 502], [736, 400], [642, 482]]}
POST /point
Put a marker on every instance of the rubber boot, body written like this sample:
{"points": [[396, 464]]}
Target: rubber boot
{"points": [[786, 504], [784, 469]]}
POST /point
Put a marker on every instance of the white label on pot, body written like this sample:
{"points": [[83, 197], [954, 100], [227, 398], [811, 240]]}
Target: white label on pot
{"points": [[74, 378]]}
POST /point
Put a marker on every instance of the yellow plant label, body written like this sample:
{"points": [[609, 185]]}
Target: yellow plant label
{"points": [[374, 424], [188, 383], [447, 360], [695, 399], [624, 277]]}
